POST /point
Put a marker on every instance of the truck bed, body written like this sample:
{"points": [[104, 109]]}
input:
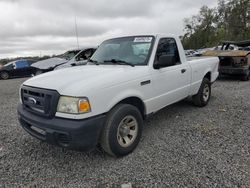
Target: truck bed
{"points": [[197, 58]]}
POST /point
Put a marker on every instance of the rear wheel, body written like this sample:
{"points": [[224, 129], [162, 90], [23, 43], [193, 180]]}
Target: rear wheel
{"points": [[4, 75], [203, 96], [122, 131]]}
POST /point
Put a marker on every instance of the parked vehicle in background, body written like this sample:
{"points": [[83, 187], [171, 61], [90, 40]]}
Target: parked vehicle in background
{"points": [[189, 53], [19, 68], [106, 101], [193, 53], [75, 55], [246, 48], [80, 59], [234, 58]]}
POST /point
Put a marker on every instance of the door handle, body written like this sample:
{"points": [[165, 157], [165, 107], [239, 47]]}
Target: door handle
{"points": [[183, 70], [145, 82]]}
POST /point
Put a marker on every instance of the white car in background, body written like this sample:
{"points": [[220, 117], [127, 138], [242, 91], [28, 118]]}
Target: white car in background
{"points": [[72, 56]]}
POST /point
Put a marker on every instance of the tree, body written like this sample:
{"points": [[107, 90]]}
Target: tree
{"points": [[230, 20], [199, 28]]}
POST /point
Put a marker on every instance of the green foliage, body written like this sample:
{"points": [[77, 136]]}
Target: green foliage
{"points": [[230, 20]]}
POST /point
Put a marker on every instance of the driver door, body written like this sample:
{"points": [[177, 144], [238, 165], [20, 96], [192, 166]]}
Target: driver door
{"points": [[171, 83]]}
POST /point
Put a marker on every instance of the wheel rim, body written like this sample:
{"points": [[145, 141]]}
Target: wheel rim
{"points": [[127, 131], [206, 92], [4, 75]]}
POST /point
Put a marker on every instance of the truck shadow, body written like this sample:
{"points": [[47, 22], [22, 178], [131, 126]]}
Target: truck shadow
{"points": [[170, 112], [230, 78], [164, 118]]}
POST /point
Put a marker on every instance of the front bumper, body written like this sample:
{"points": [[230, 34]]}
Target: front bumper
{"points": [[234, 70], [73, 134]]}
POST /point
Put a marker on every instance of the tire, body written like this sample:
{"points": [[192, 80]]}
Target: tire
{"points": [[245, 77], [4, 75], [118, 138], [202, 98]]}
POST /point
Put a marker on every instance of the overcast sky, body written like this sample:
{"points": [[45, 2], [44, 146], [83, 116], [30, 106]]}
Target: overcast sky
{"points": [[41, 27]]}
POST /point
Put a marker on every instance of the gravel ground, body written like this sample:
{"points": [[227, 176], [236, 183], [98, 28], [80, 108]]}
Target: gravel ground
{"points": [[182, 146]]}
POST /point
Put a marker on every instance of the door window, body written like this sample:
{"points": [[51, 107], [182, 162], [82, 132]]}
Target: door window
{"points": [[21, 64], [167, 46], [84, 55]]}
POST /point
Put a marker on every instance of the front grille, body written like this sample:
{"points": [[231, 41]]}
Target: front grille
{"points": [[226, 61], [233, 61], [40, 101]]}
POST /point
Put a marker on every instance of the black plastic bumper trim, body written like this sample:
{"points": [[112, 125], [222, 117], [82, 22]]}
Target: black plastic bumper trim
{"points": [[76, 134]]}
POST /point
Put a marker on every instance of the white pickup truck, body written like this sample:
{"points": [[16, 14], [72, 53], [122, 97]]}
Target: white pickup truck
{"points": [[106, 101]]}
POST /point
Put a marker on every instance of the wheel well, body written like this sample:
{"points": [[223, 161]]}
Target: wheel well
{"points": [[137, 102], [208, 76]]}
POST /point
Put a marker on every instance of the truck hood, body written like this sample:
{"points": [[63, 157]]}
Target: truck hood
{"points": [[77, 80], [49, 63]]}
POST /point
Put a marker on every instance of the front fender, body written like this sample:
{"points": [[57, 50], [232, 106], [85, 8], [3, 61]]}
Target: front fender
{"points": [[124, 95]]}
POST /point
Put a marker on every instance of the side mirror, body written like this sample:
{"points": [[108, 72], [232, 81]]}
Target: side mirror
{"points": [[165, 61]]}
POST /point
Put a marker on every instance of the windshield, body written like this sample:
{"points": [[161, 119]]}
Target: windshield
{"points": [[132, 50], [9, 63], [70, 54]]}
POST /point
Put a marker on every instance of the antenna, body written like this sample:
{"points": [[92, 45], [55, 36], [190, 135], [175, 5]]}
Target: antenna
{"points": [[76, 34]]}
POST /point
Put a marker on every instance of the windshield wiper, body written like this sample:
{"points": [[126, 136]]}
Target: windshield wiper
{"points": [[121, 62], [93, 61]]}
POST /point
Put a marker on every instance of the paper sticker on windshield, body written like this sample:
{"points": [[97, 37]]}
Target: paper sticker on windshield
{"points": [[143, 39]]}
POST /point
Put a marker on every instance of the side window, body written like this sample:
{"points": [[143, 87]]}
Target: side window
{"points": [[21, 64], [168, 47], [84, 55], [12, 66], [88, 53]]}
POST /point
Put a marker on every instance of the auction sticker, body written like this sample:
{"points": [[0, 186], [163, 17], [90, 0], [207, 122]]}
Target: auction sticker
{"points": [[143, 39]]}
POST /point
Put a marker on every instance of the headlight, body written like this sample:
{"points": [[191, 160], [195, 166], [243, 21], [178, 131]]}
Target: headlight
{"points": [[73, 105]]}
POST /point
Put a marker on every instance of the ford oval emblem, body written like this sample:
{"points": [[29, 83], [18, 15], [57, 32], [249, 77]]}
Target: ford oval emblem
{"points": [[32, 100]]}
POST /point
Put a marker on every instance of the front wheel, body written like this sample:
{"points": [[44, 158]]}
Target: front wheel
{"points": [[203, 96], [122, 130], [4, 75]]}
